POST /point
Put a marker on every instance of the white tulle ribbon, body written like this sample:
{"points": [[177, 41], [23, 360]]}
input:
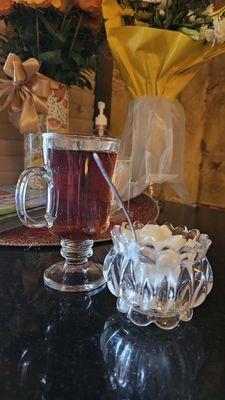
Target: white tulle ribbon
{"points": [[154, 140]]}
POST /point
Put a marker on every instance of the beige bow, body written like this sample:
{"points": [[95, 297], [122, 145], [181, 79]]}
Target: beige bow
{"points": [[24, 92]]}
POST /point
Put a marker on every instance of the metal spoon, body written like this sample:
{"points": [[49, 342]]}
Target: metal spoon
{"points": [[116, 194]]}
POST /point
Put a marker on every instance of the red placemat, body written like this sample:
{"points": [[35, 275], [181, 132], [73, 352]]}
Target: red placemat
{"points": [[142, 208]]}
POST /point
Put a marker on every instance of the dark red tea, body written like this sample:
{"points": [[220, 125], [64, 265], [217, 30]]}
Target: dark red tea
{"points": [[81, 196]]}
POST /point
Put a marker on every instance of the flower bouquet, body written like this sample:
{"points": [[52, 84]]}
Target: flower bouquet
{"points": [[61, 35], [159, 46]]}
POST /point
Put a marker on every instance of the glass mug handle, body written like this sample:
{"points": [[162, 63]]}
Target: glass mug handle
{"points": [[21, 189]]}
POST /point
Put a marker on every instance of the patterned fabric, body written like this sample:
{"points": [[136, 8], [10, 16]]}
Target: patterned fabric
{"points": [[58, 110], [142, 208], [56, 120]]}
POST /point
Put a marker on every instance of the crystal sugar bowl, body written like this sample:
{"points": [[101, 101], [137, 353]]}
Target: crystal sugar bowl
{"points": [[161, 277]]}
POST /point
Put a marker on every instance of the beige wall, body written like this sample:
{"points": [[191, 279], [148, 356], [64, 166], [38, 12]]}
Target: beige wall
{"points": [[204, 103], [212, 177]]}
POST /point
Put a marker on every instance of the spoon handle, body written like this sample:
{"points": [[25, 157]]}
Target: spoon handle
{"points": [[116, 194]]}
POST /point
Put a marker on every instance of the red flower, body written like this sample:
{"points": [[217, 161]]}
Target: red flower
{"points": [[6, 7], [65, 104], [91, 6], [60, 92], [53, 123], [93, 10]]}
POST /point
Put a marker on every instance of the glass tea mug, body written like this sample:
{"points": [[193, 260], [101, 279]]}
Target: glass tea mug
{"points": [[78, 205]]}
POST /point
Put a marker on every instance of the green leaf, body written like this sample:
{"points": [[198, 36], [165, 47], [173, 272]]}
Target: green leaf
{"points": [[77, 58], [51, 57], [52, 31], [54, 42]]}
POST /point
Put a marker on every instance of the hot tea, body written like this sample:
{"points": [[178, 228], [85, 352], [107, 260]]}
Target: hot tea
{"points": [[80, 196], [78, 204]]}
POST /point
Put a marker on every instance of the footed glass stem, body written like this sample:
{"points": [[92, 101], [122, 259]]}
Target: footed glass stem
{"points": [[76, 273]]}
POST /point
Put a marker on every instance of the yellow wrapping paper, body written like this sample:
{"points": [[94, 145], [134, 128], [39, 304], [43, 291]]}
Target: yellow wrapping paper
{"points": [[154, 62]]}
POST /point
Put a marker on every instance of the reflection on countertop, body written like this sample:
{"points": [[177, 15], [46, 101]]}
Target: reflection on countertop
{"points": [[149, 363], [62, 360], [66, 347]]}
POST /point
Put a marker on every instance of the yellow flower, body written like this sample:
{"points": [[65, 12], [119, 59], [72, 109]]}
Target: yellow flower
{"points": [[143, 15], [42, 3], [140, 23], [127, 12], [57, 3]]}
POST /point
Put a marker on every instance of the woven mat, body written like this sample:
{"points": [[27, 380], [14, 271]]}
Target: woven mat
{"points": [[142, 208]]}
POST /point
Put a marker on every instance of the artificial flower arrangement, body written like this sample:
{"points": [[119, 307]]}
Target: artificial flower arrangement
{"points": [[194, 18], [60, 34], [159, 46], [62, 37]]}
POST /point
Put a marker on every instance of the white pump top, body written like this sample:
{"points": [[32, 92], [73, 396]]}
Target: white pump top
{"points": [[101, 120]]}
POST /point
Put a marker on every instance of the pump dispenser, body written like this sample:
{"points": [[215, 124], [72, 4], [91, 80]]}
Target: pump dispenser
{"points": [[101, 120]]}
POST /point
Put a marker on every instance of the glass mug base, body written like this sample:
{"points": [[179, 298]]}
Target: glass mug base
{"points": [[76, 274], [59, 278]]}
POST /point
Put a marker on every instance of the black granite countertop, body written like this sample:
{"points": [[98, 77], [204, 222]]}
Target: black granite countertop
{"points": [[61, 347]]}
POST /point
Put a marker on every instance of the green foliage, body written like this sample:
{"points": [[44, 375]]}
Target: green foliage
{"points": [[166, 14], [63, 43]]}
